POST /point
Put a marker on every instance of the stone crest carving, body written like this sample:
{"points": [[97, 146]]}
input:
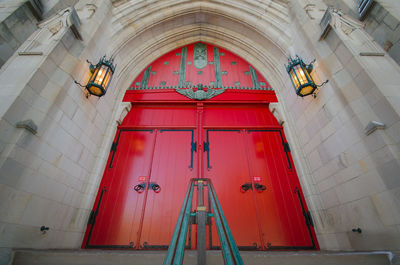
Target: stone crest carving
{"points": [[200, 94], [200, 55]]}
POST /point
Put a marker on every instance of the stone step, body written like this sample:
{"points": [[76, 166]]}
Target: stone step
{"points": [[105, 257]]}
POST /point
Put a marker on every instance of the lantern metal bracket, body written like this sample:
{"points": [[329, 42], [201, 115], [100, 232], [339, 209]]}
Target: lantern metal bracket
{"points": [[87, 94], [323, 83]]}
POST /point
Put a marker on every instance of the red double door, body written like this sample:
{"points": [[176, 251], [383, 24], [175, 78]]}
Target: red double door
{"points": [[158, 149]]}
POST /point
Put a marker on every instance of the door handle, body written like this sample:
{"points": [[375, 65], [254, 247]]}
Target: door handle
{"points": [[248, 185], [245, 187], [139, 188], [259, 187], [155, 187]]}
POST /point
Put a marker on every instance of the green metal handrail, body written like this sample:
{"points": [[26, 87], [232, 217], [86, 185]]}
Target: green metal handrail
{"points": [[176, 248]]}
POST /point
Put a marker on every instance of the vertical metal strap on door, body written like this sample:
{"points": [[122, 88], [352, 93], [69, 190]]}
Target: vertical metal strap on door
{"points": [[176, 248]]}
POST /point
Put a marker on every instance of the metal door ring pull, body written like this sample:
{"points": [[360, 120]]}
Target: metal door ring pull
{"points": [[245, 187], [155, 187], [140, 187], [259, 187]]}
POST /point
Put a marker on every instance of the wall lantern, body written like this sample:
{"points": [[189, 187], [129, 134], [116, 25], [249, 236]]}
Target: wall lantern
{"points": [[100, 77], [300, 74]]}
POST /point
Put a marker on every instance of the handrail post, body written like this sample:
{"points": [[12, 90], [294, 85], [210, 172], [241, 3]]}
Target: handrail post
{"points": [[201, 225]]}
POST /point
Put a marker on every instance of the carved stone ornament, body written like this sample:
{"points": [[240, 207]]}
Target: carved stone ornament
{"points": [[200, 94]]}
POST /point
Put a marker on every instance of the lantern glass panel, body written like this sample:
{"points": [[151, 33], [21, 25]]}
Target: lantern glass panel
{"points": [[306, 90], [300, 74], [294, 79], [100, 75], [95, 91], [107, 79], [93, 76]]}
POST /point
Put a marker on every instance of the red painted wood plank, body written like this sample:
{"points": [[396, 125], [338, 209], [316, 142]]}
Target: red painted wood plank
{"points": [[165, 95]]}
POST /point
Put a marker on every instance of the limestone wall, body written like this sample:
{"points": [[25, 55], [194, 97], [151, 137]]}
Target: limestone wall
{"points": [[47, 178], [382, 23], [356, 174]]}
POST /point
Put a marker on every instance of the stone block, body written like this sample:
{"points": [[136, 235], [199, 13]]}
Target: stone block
{"points": [[328, 169], [387, 204], [67, 105], [351, 92], [395, 52], [389, 173], [50, 91], [69, 166], [353, 67], [59, 77], [11, 172], [58, 53], [51, 171], [359, 187], [55, 113], [385, 112], [18, 236], [330, 198], [333, 63], [39, 147], [17, 111], [374, 235], [36, 212], [69, 63], [5, 51], [342, 78], [371, 25], [333, 40], [382, 34], [73, 239], [38, 81], [394, 132], [391, 21], [26, 158], [373, 96], [374, 141], [6, 256], [13, 204], [56, 214], [81, 119], [48, 67], [364, 82], [378, 12], [327, 184], [349, 173], [343, 54], [315, 160]]}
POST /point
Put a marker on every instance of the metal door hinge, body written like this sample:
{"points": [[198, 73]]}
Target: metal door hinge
{"points": [[309, 220], [113, 147], [194, 147], [206, 146], [92, 218], [286, 147]]}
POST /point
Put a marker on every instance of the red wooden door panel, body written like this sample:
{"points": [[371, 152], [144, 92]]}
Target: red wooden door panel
{"points": [[120, 207], [172, 170], [227, 167], [281, 215]]}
